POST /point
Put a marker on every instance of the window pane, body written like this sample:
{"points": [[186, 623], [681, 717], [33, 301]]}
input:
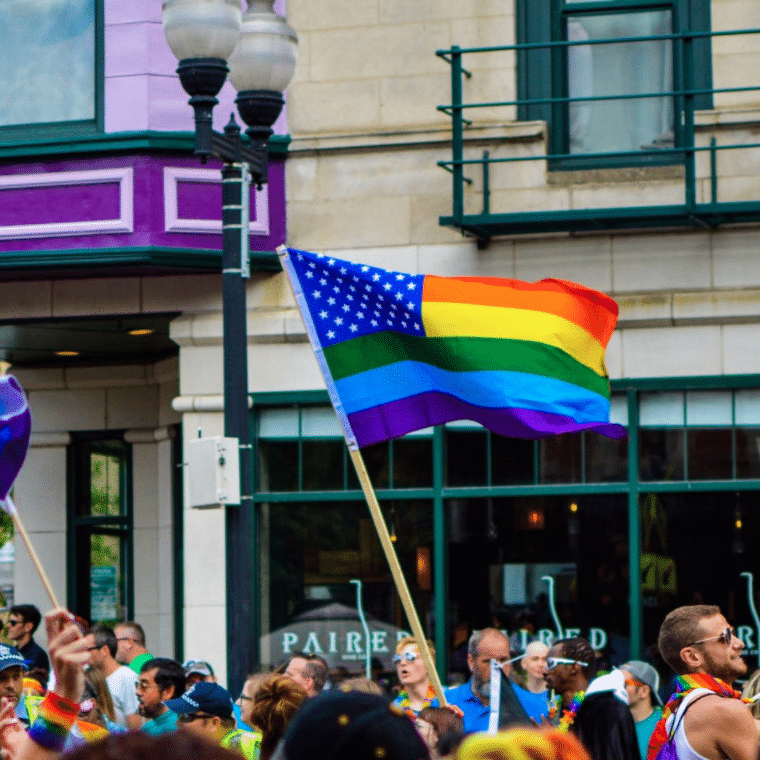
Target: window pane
{"points": [[323, 465], [308, 601], [48, 72], [708, 408], [377, 463], [101, 478], [748, 452], [661, 454], [465, 457], [661, 409], [278, 423], [511, 461], [278, 466], [107, 602], [413, 463], [561, 459], [709, 453], [619, 69], [508, 545], [678, 532], [747, 405], [606, 460]]}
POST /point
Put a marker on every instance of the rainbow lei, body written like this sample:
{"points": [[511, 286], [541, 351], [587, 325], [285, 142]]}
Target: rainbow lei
{"points": [[568, 716], [684, 685], [405, 704]]}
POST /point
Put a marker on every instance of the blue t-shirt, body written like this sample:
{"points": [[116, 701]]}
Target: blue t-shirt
{"points": [[476, 714], [536, 705], [644, 729]]}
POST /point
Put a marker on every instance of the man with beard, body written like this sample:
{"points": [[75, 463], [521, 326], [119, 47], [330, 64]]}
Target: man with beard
{"points": [[596, 711], [160, 679], [474, 696], [699, 644]]}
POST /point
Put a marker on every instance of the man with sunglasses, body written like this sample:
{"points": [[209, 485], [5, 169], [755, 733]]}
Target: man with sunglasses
{"points": [[596, 711], [642, 684], [206, 710], [23, 621], [706, 715]]}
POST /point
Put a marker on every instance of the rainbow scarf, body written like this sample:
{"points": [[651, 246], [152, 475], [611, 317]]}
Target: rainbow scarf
{"points": [[684, 686], [405, 704], [402, 352]]}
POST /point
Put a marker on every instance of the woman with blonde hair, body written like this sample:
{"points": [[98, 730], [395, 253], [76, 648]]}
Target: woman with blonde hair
{"points": [[416, 690], [275, 703]]}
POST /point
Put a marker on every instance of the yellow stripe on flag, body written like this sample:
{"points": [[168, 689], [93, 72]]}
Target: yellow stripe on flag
{"points": [[450, 320]]}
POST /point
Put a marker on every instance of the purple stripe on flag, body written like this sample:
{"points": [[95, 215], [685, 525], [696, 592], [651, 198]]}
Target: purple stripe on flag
{"points": [[400, 417]]}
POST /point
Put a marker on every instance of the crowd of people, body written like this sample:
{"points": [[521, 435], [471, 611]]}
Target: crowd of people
{"points": [[99, 694]]}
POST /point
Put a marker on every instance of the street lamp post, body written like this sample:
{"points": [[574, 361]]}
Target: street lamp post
{"points": [[260, 48]]}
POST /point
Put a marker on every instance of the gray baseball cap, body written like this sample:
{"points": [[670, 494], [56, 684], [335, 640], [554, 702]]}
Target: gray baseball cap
{"points": [[644, 672]]}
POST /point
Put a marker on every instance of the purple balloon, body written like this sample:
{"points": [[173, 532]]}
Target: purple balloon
{"points": [[15, 427]]}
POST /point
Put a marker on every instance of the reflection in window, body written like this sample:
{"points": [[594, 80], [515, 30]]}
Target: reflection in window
{"points": [[709, 453], [466, 456], [561, 459], [308, 600], [48, 72], [677, 532], [619, 68], [508, 545]]}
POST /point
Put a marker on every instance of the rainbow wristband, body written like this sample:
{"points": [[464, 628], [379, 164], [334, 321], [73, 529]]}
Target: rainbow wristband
{"points": [[54, 720]]}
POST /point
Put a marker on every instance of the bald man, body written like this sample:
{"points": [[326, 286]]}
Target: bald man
{"points": [[534, 696]]}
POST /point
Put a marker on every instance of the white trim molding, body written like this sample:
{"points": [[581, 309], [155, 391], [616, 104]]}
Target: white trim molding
{"points": [[125, 222], [173, 175]]}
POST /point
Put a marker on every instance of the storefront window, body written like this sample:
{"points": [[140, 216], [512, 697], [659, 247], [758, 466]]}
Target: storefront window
{"points": [[697, 548], [508, 546], [308, 601]]}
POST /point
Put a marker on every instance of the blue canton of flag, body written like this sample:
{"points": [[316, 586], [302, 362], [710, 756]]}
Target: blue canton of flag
{"points": [[348, 300]]}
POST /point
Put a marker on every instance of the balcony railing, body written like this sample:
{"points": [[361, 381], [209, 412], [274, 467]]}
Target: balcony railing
{"points": [[707, 176]]}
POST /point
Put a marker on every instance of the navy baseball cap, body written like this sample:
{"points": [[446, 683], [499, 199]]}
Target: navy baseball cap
{"points": [[9, 657], [204, 697], [340, 725]]}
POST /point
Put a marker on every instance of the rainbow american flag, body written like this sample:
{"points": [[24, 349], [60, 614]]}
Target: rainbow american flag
{"points": [[401, 352]]}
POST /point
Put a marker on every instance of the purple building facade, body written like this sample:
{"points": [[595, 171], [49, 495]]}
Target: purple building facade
{"points": [[110, 258]]}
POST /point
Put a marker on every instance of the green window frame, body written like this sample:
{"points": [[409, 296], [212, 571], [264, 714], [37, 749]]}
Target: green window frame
{"points": [[542, 26], [100, 522], [34, 131]]}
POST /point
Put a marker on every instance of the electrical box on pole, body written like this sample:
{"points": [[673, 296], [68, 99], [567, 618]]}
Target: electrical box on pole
{"points": [[213, 472]]}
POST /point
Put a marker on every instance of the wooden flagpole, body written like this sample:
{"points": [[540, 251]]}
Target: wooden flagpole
{"points": [[396, 572], [32, 552]]}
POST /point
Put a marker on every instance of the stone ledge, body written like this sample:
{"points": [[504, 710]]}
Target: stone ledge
{"points": [[512, 131]]}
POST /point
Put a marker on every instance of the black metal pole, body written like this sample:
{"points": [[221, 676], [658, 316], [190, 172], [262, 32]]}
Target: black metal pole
{"points": [[239, 519]]}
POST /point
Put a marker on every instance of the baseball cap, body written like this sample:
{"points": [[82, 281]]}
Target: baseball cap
{"points": [[205, 697], [353, 725], [198, 666], [9, 657], [644, 672]]}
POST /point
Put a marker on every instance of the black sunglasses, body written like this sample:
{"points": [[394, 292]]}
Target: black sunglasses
{"points": [[191, 717]]}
